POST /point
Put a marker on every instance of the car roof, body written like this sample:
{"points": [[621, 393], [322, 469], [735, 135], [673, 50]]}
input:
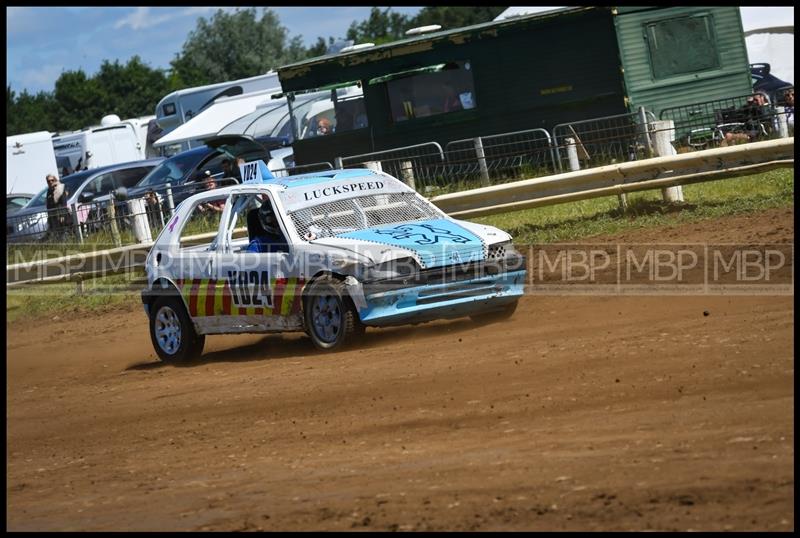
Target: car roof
{"points": [[303, 180]]}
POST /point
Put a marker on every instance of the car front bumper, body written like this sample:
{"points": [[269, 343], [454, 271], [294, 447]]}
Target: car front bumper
{"points": [[449, 295]]}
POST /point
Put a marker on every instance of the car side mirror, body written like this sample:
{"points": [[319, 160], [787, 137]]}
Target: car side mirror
{"points": [[121, 193], [85, 197]]}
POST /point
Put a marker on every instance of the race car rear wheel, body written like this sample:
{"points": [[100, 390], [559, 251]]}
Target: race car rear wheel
{"points": [[497, 315], [172, 332], [330, 316]]}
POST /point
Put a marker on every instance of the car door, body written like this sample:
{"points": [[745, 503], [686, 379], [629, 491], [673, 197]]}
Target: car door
{"points": [[96, 188], [261, 291], [195, 260]]}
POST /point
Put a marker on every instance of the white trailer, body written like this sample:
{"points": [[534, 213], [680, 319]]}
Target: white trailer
{"points": [[29, 158], [181, 106], [111, 143]]}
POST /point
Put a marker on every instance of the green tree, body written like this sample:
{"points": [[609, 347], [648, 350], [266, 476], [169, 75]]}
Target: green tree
{"points": [[132, 89], [80, 99], [385, 26], [382, 26], [28, 113], [235, 45]]}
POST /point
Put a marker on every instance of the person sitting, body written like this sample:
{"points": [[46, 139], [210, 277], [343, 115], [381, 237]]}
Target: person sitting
{"points": [[753, 120], [265, 234], [324, 127], [788, 100]]}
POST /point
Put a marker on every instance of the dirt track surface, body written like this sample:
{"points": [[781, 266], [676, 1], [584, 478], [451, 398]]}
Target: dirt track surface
{"points": [[580, 413]]}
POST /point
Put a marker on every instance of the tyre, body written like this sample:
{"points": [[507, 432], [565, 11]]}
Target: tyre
{"points": [[330, 317], [172, 331], [497, 315]]}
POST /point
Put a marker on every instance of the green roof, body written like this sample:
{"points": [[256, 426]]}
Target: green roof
{"points": [[359, 56]]}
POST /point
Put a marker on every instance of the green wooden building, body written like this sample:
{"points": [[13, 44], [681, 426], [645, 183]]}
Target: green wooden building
{"points": [[527, 72]]}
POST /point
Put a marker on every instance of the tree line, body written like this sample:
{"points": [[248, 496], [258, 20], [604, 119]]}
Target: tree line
{"points": [[227, 46]]}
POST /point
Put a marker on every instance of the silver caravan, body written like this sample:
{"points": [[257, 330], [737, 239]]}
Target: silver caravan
{"points": [[180, 106]]}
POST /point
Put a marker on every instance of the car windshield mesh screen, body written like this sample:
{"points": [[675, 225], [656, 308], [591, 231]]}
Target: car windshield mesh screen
{"points": [[342, 216]]}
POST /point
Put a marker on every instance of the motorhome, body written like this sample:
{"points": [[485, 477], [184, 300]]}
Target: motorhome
{"points": [[180, 106], [142, 127], [111, 143], [29, 158]]}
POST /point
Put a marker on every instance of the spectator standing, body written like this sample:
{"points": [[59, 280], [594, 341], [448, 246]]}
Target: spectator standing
{"points": [[153, 202], [56, 203]]}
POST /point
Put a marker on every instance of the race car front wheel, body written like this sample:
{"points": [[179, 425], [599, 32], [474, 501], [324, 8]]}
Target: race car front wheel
{"points": [[330, 316], [172, 332]]}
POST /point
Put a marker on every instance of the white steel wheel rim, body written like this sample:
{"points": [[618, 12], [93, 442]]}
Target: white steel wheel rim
{"points": [[326, 316], [168, 330]]}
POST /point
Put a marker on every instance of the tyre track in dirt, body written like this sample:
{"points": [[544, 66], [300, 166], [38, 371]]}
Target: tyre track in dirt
{"points": [[581, 412]]}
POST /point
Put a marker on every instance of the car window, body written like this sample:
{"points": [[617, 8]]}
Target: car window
{"points": [[102, 184], [213, 163], [203, 219], [18, 202], [172, 170], [131, 176]]}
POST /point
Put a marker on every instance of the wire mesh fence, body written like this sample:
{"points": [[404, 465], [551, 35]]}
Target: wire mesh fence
{"points": [[499, 158], [603, 140], [733, 120], [420, 166]]}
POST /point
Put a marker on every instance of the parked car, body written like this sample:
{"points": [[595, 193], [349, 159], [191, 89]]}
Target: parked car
{"points": [[353, 248], [16, 201], [88, 190], [767, 83], [186, 171]]}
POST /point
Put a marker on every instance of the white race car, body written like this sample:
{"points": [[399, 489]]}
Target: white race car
{"points": [[327, 253]]}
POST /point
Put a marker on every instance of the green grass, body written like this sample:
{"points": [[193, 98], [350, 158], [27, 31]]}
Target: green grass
{"points": [[50, 300], [602, 216], [564, 222]]}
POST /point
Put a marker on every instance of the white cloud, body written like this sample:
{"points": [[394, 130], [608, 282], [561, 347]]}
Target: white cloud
{"points": [[143, 18]]}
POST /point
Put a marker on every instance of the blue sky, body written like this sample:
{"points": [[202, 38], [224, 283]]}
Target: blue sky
{"points": [[41, 42]]}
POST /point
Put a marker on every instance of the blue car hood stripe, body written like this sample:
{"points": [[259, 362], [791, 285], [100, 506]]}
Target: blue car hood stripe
{"points": [[437, 242]]}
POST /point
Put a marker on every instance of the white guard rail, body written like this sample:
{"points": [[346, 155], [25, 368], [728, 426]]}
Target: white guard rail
{"points": [[613, 179]]}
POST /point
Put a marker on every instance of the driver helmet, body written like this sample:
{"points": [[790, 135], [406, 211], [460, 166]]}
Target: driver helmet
{"points": [[266, 216]]}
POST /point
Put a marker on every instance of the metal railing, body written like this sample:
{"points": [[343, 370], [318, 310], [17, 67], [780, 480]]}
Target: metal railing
{"points": [[603, 140], [722, 122], [420, 165], [500, 158]]}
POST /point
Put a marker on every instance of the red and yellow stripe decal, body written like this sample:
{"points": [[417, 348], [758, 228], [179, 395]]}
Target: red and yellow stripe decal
{"points": [[208, 297]]}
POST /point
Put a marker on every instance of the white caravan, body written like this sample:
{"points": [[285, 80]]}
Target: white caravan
{"points": [[111, 143], [29, 158], [141, 126], [180, 106]]}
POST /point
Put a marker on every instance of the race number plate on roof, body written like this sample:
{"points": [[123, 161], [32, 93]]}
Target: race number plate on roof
{"points": [[255, 172]]}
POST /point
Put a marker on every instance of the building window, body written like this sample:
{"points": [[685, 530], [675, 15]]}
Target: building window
{"points": [[431, 90], [682, 45], [326, 112]]}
